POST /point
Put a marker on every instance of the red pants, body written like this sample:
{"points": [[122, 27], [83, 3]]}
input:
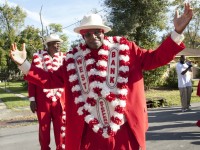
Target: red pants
{"points": [[53, 112], [123, 140]]}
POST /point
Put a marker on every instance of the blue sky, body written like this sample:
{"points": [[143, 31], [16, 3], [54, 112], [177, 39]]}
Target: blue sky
{"points": [[64, 12]]}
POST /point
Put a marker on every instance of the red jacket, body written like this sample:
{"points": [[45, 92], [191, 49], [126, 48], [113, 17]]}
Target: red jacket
{"points": [[41, 98], [37, 92], [136, 110], [198, 89]]}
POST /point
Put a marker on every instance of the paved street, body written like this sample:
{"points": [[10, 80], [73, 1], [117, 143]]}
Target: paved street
{"points": [[170, 129], [21, 138]]}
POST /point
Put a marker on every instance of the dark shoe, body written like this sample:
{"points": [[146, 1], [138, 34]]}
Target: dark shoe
{"points": [[184, 110]]}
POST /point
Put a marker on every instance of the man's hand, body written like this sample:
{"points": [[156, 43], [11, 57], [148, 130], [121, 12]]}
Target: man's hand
{"points": [[18, 56], [180, 22], [189, 64], [33, 106]]}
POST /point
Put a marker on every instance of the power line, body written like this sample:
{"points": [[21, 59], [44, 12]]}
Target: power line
{"points": [[71, 24], [80, 20]]}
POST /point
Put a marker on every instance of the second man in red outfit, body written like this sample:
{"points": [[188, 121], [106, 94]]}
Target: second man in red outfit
{"points": [[48, 103]]}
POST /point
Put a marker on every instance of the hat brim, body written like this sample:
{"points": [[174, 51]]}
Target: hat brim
{"points": [[53, 40], [105, 28]]}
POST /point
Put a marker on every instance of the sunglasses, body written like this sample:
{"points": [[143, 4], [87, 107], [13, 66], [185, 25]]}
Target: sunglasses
{"points": [[89, 33]]}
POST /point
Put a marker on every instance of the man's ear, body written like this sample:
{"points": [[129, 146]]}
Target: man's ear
{"points": [[48, 44]]}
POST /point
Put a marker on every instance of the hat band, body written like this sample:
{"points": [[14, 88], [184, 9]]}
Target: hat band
{"points": [[84, 31]]}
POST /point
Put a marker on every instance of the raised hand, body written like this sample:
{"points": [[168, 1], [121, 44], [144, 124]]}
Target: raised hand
{"points": [[180, 22], [18, 56]]}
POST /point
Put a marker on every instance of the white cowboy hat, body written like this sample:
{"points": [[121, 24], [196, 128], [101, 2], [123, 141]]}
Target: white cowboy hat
{"points": [[51, 38], [93, 21]]}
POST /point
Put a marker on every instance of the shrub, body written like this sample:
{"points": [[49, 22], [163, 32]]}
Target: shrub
{"points": [[171, 80], [154, 77]]}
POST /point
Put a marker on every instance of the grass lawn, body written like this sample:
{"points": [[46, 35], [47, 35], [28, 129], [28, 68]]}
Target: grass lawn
{"points": [[16, 87], [172, 96], [10, 99]]}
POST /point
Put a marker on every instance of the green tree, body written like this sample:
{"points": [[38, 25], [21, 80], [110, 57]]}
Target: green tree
{"points": [[31, 36], [55, 28], [137, 20], [12, 30], [11, 21], [192, 33]]}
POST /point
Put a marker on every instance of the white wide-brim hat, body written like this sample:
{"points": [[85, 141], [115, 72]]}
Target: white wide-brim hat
{"points": [[93, 21], [52, 38]]}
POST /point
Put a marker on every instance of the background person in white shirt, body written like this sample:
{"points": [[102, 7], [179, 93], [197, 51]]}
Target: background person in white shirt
{"points": [[183, 70]]}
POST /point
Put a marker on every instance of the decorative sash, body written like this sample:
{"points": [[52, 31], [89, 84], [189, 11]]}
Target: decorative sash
{"points": [[99, 84], [43, 60]]}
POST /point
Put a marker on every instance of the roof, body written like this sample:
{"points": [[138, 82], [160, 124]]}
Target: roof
{"points": [[189, 52]]}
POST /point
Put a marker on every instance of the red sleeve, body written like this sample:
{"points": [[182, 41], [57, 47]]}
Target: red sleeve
{"points": [[151, 59], [47, 80], [31, 86], [31, 89], [198, 89]]}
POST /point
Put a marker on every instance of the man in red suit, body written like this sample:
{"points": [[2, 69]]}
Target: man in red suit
{"points": [[48, 103], [103, 82], [198, 89], [198, 94]]}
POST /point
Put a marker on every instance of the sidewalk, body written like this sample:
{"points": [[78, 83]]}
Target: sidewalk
{"points": [[16, 117]]}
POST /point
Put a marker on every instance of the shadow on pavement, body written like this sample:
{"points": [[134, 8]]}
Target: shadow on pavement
{"points": [[170, 126]]}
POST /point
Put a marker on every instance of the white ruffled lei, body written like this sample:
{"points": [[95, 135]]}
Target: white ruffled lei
{"points": [[105, 90]]}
